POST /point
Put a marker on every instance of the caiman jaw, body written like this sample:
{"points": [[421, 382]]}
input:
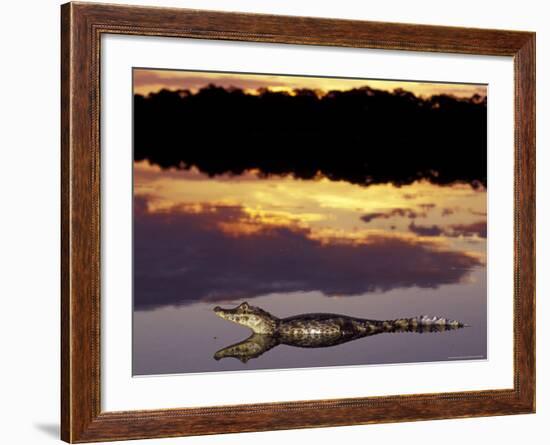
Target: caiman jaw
{"points": [[256, 319], [224, 313], [231, 315]]}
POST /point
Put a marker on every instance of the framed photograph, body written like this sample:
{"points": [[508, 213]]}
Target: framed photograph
{"points": [[275, 222]]}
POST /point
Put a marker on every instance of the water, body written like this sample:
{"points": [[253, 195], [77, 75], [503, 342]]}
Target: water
{"points": [[296, 246]]}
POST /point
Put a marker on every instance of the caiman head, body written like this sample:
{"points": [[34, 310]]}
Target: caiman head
{"points": [[255, 318]]}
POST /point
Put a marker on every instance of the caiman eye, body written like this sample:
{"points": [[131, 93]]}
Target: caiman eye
{"points": [[244, 306]]}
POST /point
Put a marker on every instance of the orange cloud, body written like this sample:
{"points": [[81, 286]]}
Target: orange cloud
{"points": [[150, 80]]}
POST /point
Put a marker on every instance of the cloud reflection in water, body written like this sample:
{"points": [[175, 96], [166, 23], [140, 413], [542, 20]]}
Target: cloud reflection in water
{"points": [[220, 252]]}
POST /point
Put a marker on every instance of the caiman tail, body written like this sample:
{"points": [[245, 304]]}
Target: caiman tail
{"points": [[420, 324]]}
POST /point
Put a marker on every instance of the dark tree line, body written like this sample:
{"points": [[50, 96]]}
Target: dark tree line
{"points": [[363, 136]]}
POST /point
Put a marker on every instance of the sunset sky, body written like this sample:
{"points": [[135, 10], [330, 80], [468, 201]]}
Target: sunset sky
{"points": [[437, 231], [150, 80], [361, 203]]}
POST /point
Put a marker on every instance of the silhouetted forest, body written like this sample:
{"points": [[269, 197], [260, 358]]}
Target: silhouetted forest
{"points": [[363, 136]]}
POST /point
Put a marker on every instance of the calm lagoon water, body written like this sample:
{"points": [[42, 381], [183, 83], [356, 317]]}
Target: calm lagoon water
{"points": [[296, 246]]}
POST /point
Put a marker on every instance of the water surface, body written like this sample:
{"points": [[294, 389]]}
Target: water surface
{"points": [[294, 246]]}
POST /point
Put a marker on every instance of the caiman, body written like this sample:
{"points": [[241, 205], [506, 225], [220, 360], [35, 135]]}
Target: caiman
{"points": [[316, 330]]}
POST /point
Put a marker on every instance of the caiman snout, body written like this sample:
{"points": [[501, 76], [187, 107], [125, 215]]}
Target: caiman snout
{"points": [[254, 318]]}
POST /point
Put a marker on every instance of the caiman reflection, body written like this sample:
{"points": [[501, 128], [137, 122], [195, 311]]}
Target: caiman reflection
{"points": [[314, 330]]}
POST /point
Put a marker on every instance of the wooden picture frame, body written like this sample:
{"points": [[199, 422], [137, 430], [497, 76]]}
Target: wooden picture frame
{"points": [[82, 26]]}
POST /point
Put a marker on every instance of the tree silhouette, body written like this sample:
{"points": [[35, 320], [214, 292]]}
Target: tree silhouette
{"points": [[362, 136]]}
